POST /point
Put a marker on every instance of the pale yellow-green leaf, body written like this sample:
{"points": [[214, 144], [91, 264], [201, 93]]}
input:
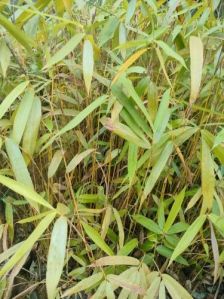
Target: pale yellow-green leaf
{"points": [[19, 167], [11, 97], [4, 58], [115, 260], [77, 159], [207, 177], [65, 50], [24, 190], [169, 281], [153, 290], [56, 256], [97, 239], [88, 63], [32, 128], [106, 222], [162, 291], [54, 164], [22, 115], [28, 243], [120, 227], [84, 284], [196, 55], [188, 237]]}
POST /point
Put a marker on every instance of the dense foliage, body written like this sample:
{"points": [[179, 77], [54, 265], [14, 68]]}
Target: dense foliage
{"points": [[111, 149]]}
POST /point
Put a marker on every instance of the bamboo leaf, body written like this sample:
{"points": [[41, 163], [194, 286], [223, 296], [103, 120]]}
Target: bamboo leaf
{"points": [[65, 50], [84, 284], [169, 281], [188, 237], [4, 58], [148, 223], [196, 54], [78, 159], [88, 63], [11, 97], [55, 162], [28, 243], [207, 177], [115, 260], [57, 251], [97, 239]]}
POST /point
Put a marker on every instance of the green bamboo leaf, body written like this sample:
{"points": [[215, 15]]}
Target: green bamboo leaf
{"points": [[132, 162], [157, 170], [207, 176], [97, 239], [18, 34], [128, 247], [28, 243], [30, 135], [77, 159], [65, 50], [120, 227], [130, 11], [188, 237], [84, 284], [178, 289], [78, 119], [24, 190], [178, 200], [170, 52], [148, 223], [22, 116], [88, 63], [11, 97], [108, 30], [55, 162], [57, 251]]}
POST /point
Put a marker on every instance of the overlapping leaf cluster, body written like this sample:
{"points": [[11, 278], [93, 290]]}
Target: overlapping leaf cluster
{"points": [[111, 148]]}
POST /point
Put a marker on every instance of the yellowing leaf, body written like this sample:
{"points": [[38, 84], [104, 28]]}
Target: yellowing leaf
{"points": [[196, 54], [65, 50], [115, 260], [5, 55], [188, 237], [128, 63], [77, 159], [84, 284], [11, 97], [169, 281], [207, 177], [120, 227], [55, 162], [97, 239], [28, 243], [22, 115], [88, 63], [56, 256]]}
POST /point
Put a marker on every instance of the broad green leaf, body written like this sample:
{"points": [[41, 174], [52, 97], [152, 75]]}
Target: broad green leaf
{"points": [[88, 63], [130, 11], [165, 251], [77, 159], [84, 284], [18, 34], [22, 115], [78, 119], [218, 221], [97, 239], [56, 256], [65, 50], [28, 243], [170, 52], [30, 135], [24, 190], [128, 247], [157, 170], [196, 54], [5, 55], [207, 177], [108, 30], [178, 200], [162, 117], [148, 223], [188, 237], [55, 162], [115, 260], [169, 281], [11, 97], [132, 162], [128, 63]]}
